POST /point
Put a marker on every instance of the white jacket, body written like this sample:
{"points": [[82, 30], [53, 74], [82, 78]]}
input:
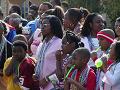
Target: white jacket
{"points": [[111, 78]]}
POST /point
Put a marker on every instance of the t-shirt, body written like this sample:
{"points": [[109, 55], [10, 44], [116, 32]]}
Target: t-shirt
{"points": [[90, 82], [9, 79], [26, 71]]}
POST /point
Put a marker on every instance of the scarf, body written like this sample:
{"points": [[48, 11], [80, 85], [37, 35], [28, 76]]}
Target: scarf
{"points": [[2, 45], [81, 77], [41, 56]]}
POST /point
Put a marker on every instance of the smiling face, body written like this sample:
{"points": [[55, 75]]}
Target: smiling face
{"points": [[18, 53], [97, 24], [117, 28]]}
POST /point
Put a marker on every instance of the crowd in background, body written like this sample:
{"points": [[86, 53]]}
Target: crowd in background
{"points": [[58, 48]]}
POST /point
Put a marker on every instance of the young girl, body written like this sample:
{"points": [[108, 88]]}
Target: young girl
{"points": [[111, 79], [70, 42], [82, 77], [18, 69]]}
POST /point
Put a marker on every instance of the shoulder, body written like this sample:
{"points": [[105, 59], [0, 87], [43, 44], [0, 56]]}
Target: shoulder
{"points": [[91, 73], [7, 62]]}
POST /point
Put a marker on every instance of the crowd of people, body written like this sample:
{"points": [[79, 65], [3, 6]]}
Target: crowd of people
{"points": [[58, 48]]}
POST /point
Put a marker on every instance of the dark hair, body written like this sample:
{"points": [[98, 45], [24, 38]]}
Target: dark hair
{"points": [[57, 2], [118, 19], [58, 11], [34, 7], [74, 14], [21, 44], [86, 29], [117, 50], [16, 9], [85, 12], [50, 6], [71, 37], [20, 37], [56, 26], [83, 52]]}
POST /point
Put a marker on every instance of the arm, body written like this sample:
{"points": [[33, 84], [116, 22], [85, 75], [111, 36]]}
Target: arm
{"points": [[112, 78], [59, 61], [77, 84]]}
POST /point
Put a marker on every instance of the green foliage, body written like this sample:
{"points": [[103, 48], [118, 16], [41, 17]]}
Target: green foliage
{"points": [[91, 5], [112, 8]]}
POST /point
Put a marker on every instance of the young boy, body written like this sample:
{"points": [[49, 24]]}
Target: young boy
{"points": [[81, 77], [19, 68], [106, 38]]}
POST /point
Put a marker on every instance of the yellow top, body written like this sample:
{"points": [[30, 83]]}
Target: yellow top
{"points": [[9, 79]]}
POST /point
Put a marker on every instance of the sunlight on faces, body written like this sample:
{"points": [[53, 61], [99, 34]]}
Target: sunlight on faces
{"points": [[117, 28], [46, 29], [97, 24]]}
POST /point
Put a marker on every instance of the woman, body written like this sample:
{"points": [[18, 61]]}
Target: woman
{"points": [[71, 20], [46, 65], [111, 79], [117, 28], [92, 25]]}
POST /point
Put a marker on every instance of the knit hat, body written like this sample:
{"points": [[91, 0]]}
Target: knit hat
{"points": [[107, 34]]}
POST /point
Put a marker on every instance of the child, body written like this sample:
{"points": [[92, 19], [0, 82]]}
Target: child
{"points": [[81, 77], [106, 38], [18, 69], [111, 79], [70, 42]]}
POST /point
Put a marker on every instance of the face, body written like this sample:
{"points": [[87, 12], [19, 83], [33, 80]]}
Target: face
{"points": [[45, 27], [103, 43], [66, 21], [112, 51], [18, 53], [97, 24], [78, 61], [117, 28], [67, 47], [42, 9]]}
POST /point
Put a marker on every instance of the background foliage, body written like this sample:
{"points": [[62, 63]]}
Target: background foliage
{"points": [[110, 7]]}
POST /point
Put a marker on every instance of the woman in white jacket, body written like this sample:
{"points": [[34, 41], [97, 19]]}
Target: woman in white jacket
{"points": [[111, 79]]}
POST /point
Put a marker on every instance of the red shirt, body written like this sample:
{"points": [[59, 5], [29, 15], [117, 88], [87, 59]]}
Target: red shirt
{"points": [[91, 79], [26, 71]]}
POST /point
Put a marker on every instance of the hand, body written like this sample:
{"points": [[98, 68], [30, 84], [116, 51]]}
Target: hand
{"points": [[58, 55], [93, 55], [43, 83], [71, 81], [35, 78]]}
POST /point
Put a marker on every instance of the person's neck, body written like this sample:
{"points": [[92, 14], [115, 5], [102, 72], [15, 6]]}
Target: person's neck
{"points": [[93, 35], [82, 68], [48, 37]]}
